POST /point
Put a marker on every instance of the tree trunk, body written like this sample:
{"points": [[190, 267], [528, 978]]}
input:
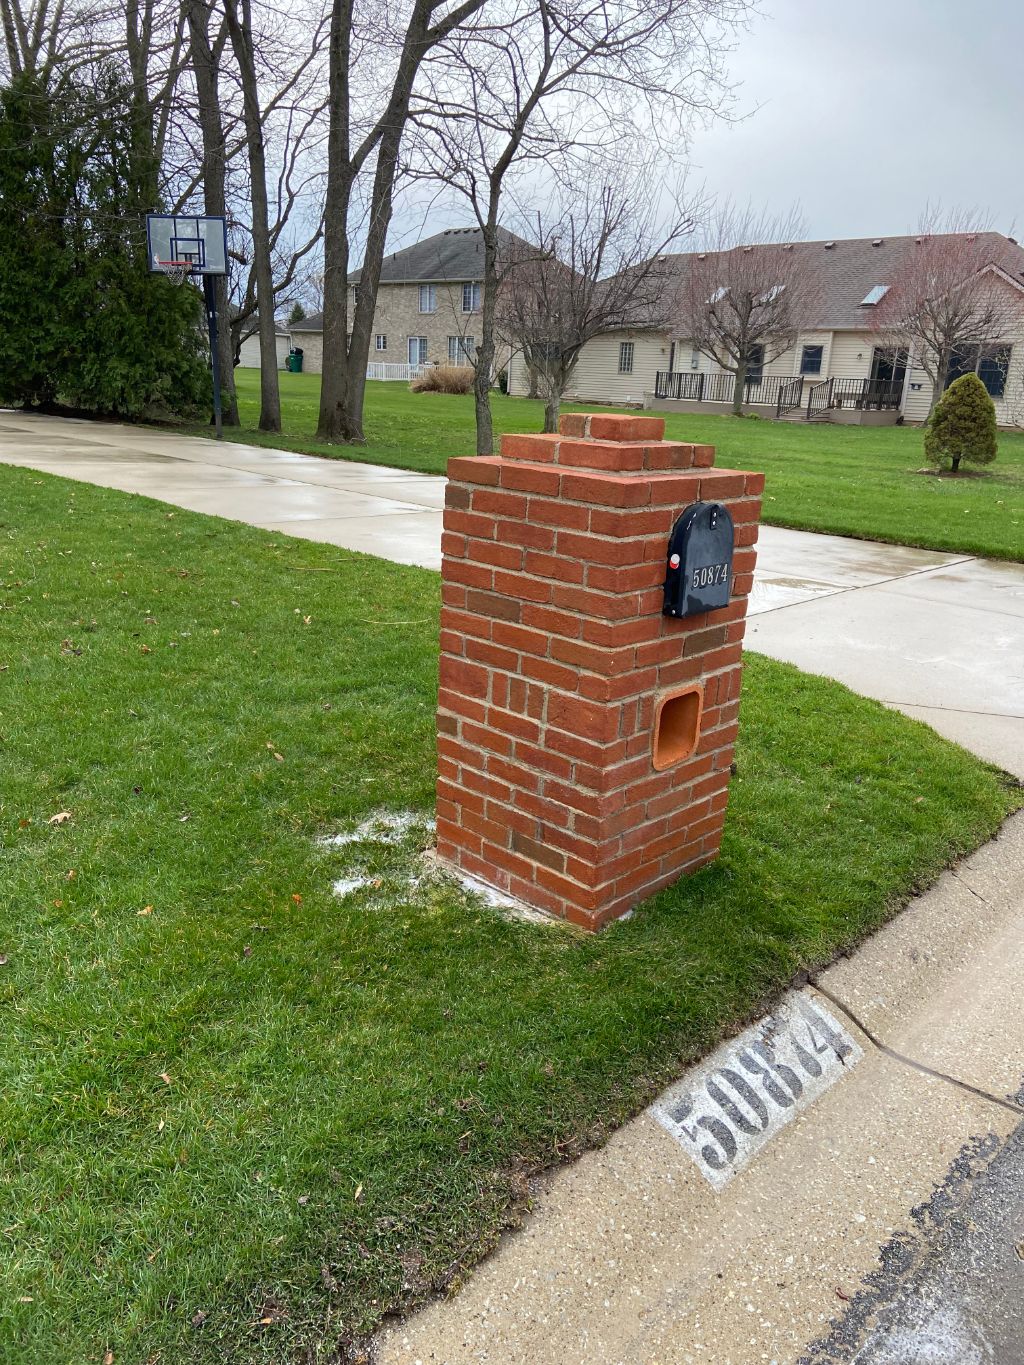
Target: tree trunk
{"points": [[242, 44], [204, 67], [739, 385], [956, 463], [344, 367], [485, 351], [552, 408]]}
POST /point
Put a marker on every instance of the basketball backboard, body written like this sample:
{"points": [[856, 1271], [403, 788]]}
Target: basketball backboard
{"points": [[201, 241]]}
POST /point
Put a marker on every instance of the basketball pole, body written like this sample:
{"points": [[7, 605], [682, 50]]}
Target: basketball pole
{"points": [[210, 296]]}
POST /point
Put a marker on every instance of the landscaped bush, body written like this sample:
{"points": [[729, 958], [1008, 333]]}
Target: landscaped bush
{"points": [[963, 425], [444, 379]]}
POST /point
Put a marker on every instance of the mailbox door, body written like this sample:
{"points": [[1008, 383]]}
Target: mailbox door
{"points": [[699, 573]]}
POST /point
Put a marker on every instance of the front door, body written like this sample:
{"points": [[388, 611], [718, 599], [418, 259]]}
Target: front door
{"points": [[889, 366]]}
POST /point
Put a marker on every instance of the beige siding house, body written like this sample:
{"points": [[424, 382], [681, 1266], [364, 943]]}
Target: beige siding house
{"points": [[843, 370], [427, 311]]}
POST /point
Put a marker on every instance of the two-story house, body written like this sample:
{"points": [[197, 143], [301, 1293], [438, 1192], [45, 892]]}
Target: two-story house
{"points": [[427, 311]]}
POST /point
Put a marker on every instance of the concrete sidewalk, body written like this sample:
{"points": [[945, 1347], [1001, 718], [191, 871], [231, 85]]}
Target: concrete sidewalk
{"points": [[940, 636]]}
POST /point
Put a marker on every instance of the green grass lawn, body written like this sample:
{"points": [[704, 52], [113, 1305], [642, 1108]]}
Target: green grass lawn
{"points": [[241, 1117], [855, 481]]}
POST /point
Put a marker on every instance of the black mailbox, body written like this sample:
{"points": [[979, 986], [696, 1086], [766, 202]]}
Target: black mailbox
{"points": [[699, 575]]}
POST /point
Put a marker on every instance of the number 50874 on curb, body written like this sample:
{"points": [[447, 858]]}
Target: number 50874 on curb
{"points": [[725, 1110]]}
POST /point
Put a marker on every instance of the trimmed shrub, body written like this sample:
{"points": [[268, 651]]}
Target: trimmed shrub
{"points": [[963, 425], [444, 379]]}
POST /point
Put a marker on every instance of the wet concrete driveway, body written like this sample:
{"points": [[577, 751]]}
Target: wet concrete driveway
{"points": [[940, 636]]}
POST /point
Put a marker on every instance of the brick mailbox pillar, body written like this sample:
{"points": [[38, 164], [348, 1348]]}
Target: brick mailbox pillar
{"points": [[584, 737]]}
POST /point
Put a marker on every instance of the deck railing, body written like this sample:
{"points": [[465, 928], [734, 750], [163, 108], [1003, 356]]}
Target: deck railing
{"points": [[790, 397], [379, 369], [717, 387], [867, 393]]}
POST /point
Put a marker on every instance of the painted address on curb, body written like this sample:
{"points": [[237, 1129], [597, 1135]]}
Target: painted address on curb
{"points": [[725, 1110]]}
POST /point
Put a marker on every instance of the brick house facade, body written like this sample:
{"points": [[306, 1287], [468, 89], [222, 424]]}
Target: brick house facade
{"points": [[428, 306]]}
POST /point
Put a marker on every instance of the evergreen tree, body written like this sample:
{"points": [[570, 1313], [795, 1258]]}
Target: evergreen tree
{"points": [[962, 426], [297, 314], [83, 323]]}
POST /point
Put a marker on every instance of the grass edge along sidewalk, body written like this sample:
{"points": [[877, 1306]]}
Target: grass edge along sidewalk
{"points": [[242, 1116], [844, 480]]}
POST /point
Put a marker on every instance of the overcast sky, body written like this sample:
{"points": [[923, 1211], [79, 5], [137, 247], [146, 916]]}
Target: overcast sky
{"points": [[864, 111]]}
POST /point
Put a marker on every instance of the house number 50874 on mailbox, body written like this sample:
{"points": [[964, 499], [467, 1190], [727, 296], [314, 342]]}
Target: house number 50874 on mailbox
{"points": [[699, 573]]}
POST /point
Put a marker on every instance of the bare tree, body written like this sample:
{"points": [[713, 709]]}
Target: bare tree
{"points": [[747, 293], [945, 300], [597, 264], [550, 83]]}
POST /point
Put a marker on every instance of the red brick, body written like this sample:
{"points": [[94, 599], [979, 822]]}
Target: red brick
{"points": [[607, 490], [475, 469], [614, 634], [482, 651], [555, 620], [531, 479], [747, 510], [493, 605], [553, 566], [456, 495], [483, 739], [463, 677], [466, 708], [525, 533], [472, 575], [754, 483], [492, 552], [597, 455], [519, 727], [497, 503], [724, 484], [550, 513], [632, 578], [573, 423], [746, 535], [625, 523], [582, 717], [538, 852], [624, 427], [519, 585], [453, 545], [540, 447], [507, 633], [676, 490], [591, 549], [464, 622], [593, 658], [552, 674], [469, 524]]}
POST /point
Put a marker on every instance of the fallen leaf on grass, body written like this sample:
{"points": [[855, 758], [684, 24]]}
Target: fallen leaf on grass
{"points": [[358, 1194], [61, 818], [108, 1358], [279, 757], [153, 1255], [145, 649], [26, 1298], [296, 898], [4, 959], [165, 1078], [303, 1199], [247, 951], [146, 910], [199, 1317]]}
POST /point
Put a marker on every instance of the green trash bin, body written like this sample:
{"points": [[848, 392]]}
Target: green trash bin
{"points": [[295, 360]]}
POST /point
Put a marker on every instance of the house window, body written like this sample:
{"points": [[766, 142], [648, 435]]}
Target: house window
{"points": [[755, 364], [990, 363], [381, 342], [625, 357], [471, 298], [811, 358], [993, 366], [428, 298], [417, 350], [460, 350]]}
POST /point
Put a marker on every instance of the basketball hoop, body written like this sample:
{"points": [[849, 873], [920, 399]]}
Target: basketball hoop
{"points": [[177, 272]]}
